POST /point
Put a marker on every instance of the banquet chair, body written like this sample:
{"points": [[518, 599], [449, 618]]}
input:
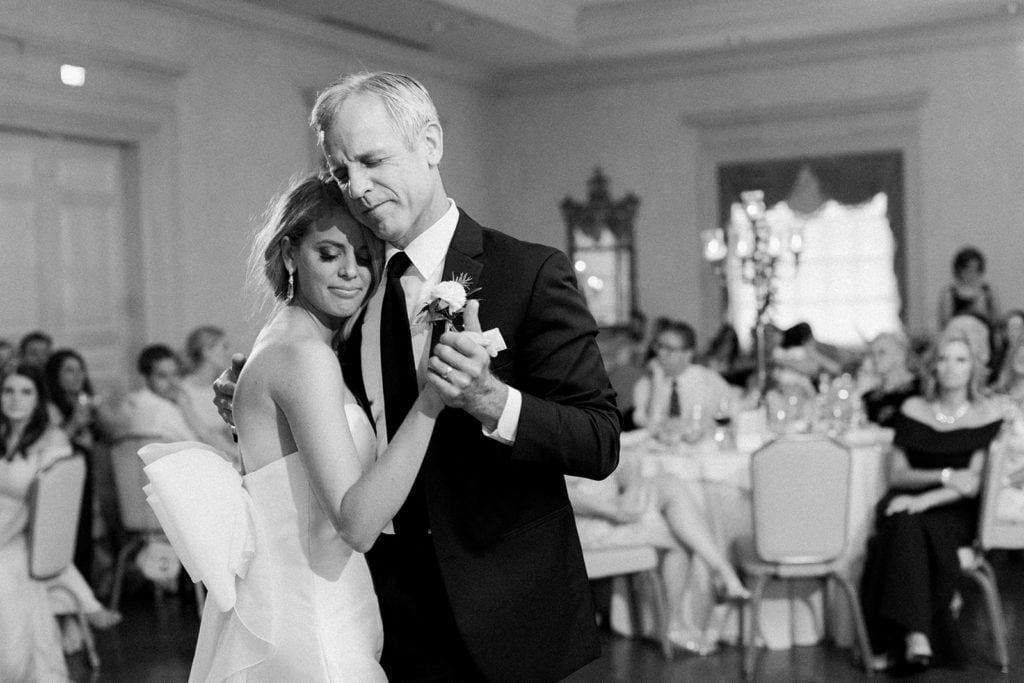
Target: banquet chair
{"points": [[632, 563], [138, 521], [55, 502], [800, 496], [993, 532]]}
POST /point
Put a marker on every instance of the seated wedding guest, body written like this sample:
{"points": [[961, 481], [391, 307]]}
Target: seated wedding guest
{"points": [[206, 350], [674, 386], [724, 356], [154, 409], [623, 352], [799, 360], [8, 356], [34, 348], [1009, 327], [930, 511], [76, 407], [892, 381], [1012, 324], [73, 408], [31, 649], [969, 292], [980, 333], [1009, 383], [628, 509]]}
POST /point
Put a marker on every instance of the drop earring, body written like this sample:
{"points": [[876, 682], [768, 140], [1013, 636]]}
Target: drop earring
{"points": [[290, 294]]}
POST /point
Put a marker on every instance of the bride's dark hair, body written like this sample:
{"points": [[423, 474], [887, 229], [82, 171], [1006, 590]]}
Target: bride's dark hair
{"points": [[291, 215]]}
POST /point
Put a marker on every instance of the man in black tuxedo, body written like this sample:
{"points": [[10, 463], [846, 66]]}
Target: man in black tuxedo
{"points": [[483, 577]]}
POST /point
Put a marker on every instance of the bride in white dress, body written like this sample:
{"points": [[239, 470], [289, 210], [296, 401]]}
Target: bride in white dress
{"points": [[280, 547]]}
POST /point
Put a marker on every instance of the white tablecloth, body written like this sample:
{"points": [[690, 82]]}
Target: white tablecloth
{"points": [[792, 612]]}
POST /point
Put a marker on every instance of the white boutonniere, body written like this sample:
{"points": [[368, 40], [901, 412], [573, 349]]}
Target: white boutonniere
{"points": [[447, 301]]}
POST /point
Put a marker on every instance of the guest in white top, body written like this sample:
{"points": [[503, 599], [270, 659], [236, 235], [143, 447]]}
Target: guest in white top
{"points": [[206, 350], [674, 386], [154, 408]]}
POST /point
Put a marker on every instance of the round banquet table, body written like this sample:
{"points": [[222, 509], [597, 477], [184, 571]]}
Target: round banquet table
{"points": [[792, 612]]}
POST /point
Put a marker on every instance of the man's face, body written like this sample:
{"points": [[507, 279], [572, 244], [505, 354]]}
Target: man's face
{"points": [[393, 190], [36, 353], [673, 355], [164, 379]]}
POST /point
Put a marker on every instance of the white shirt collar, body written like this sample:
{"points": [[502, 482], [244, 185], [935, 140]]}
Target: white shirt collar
{"points": [[427, 252]]}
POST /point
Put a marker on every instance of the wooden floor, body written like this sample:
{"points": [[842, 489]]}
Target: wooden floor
{"points": [[154, 643]]}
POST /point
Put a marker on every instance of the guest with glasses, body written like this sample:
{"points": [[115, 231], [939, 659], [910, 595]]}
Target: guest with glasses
{"points": [[675, 386]]}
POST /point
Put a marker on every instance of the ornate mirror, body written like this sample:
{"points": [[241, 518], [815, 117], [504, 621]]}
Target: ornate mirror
{"points": [[600, 236]]}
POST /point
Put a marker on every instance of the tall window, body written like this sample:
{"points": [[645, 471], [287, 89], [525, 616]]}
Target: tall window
{"points": [[849, 209]]}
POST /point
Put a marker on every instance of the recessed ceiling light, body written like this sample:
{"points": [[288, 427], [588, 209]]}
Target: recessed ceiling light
{"points": [[72, 75]]}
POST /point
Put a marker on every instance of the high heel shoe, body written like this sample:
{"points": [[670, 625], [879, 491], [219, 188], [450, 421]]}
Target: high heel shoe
{"points": [[727, 591], [919, 651]]}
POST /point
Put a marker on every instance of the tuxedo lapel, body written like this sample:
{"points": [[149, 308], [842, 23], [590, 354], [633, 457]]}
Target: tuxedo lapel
{"points": [[463, 258]]}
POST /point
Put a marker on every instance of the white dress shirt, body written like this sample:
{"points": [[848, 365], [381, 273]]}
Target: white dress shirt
{"points": [[427, 255], [694, 386]]}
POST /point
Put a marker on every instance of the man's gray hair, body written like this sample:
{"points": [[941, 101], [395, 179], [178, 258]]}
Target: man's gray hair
{"points": [[406, 100]]}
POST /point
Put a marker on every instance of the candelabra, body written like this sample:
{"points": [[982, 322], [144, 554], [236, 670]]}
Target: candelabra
{"points": [[756, 247]]}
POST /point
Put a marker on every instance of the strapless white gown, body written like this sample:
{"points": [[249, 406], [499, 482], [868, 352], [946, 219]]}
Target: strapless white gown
{"points": [[287, 599]]}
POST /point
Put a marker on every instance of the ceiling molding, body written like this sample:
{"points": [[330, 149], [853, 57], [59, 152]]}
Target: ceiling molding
{"points": [[619, 30], [254, 17], [714, 119], [552, 19], [601, 73]]}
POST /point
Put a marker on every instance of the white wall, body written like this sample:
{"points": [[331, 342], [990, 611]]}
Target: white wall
{"points": [[215, 109], [956, 109], [226, 101]]}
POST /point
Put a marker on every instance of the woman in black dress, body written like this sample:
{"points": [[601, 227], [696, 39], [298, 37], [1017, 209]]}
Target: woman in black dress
{"points": [[930, 510]]}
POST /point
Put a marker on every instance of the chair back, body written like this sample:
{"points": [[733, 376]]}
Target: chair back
{"points": [[1000, 522], [800, 487], [55, 500], [136, 514]]}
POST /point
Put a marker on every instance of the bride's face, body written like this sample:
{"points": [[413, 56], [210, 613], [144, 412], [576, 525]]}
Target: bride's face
{"points": [[332, 267]]}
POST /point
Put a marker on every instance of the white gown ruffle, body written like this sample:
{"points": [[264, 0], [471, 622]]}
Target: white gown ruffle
{"points": [[287, 598], [208, 517]]}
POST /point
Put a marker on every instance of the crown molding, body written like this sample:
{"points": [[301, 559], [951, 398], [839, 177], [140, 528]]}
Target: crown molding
{"points": [[716, 119], [555, 20], [620, 29], [308, 31], [600, 73]]}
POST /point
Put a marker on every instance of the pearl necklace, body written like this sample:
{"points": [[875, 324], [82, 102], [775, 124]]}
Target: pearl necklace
{"points": [[951, 419]]}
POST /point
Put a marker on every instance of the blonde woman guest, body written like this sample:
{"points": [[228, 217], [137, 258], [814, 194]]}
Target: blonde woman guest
{"points": [[930, 510], [894, 383], [206, 352]]}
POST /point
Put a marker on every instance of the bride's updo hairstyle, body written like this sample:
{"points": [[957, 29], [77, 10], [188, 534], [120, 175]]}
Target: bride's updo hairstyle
{"points": [[292, 215]]}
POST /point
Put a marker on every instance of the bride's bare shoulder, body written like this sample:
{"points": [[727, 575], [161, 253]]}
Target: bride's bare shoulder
{"points": [[288, 356]]}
